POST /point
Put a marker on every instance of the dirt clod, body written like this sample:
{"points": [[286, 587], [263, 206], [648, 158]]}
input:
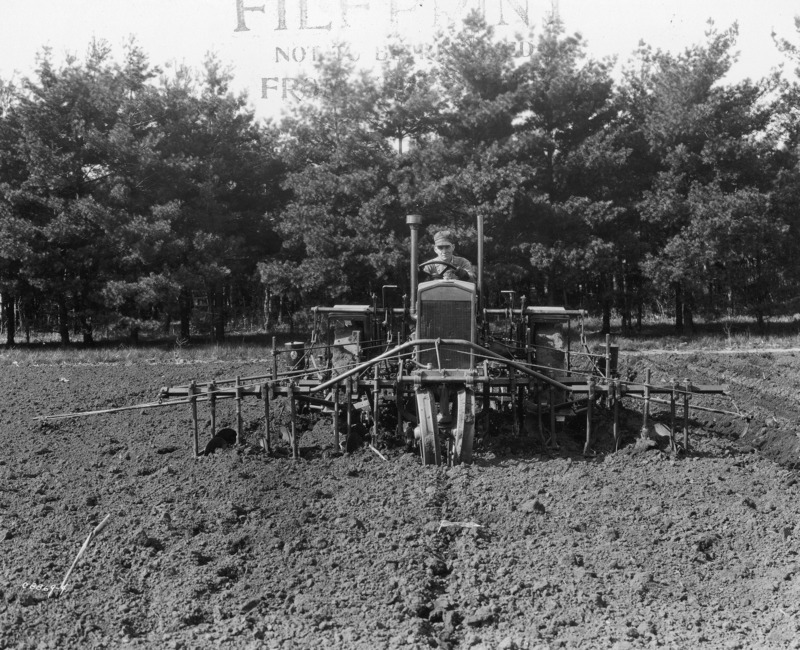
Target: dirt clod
{"points": [[532, 506]]}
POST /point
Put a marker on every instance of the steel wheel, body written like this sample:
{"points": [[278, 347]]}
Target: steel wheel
{"points": [[464, 433], [429, 439]]}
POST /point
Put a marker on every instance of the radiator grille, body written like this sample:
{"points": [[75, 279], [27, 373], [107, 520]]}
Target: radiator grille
{"points": [[445, 319]]}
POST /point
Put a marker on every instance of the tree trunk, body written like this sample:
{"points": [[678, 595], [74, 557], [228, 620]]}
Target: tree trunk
{"points": [[185, 309], [219, 312], [711, 297], [625, 302], [9, 318], [688, 312], [22, 319], [678, 307], [605, 288], [87, 331], [266, 308], [63, 320], [639, 314]]}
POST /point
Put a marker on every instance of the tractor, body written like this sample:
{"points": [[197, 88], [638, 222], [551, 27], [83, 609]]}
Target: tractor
{"points": [[443, 361]]}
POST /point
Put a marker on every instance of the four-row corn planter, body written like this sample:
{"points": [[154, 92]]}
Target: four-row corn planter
{"points": [[442, 391]]}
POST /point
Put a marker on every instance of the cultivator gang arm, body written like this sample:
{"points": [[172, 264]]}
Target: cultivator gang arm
{"points": [[569, 393]]}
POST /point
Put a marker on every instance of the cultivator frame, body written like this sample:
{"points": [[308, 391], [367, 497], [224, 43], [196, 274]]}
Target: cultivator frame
{"points": [[519, 389], [439, 364]]}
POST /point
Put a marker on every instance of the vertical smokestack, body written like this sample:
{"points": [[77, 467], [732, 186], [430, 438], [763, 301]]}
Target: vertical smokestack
{"points": [[413, 221], [480, 261]]}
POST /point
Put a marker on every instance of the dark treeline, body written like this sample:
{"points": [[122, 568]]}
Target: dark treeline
{"points": [[130, 196]]}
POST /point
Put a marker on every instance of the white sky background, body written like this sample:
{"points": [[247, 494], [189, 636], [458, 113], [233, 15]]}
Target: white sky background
{"points": [[184, 30]]}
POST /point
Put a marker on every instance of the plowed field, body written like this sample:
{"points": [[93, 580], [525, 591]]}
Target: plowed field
{"points": [[526, 548]]}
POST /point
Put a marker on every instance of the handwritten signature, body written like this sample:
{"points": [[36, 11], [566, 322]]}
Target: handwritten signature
{"points": [[52, 590]]}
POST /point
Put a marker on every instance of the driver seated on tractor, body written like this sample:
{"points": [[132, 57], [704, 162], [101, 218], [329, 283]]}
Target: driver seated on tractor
{"points": [[444, 249]]}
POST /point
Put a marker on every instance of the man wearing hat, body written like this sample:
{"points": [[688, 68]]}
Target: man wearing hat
{"points": [[444, 248]]}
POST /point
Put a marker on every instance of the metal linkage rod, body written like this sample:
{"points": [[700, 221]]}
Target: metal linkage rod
{"points": [[195, 427], [696, 407], [666, 389], [224, 382], [488, 354], [646, 405], [574, 383], [271, 376], [212, 398], [210, 391], [196, 399], [117, 409], [267, 443], [589, 404], [239, 422]]}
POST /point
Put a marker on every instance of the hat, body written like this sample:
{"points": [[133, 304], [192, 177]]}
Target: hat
{"points": [[443, 237]]}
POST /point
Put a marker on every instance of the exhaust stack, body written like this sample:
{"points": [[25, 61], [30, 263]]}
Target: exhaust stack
{"points": [[413, 221], [480, 262]]}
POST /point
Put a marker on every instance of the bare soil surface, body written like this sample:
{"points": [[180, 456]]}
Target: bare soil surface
{"points": [[525, 548]]}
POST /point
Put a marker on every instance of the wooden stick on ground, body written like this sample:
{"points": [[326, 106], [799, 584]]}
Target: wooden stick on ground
{"points": [[98, 529], [377, 452], [463, 524]]}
